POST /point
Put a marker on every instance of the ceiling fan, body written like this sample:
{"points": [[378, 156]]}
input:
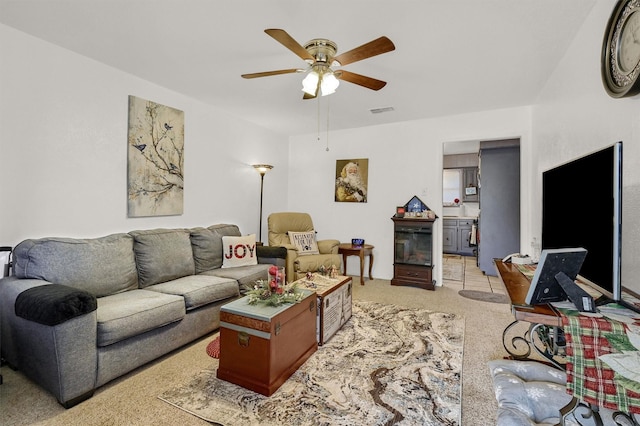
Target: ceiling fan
{"points": [[320, 54]]}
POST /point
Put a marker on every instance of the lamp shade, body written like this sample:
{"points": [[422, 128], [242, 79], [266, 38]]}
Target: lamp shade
{"points": [[262, 168], [310, 83], [329, 84]]}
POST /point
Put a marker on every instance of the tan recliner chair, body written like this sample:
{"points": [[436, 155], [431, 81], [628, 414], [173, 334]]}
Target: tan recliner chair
{"points": [[280, 224]]}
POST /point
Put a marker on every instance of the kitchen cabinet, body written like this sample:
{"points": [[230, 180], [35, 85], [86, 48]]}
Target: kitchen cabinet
{"points": [[449, 236], [470, 189], [456, 235]]}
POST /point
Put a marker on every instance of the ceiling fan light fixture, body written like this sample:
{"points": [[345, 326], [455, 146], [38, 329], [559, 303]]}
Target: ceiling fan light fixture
{"points": [[310, 83], [329, 84], [320, 54]]}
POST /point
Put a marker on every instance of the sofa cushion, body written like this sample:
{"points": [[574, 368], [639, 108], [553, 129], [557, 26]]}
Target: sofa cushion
{"points": [[162, 255], [207, 245], [239, 251], [207, 249], [305, 264], [199, 290], [128, 314], [225, 229], [245, 276], [53, 304], [80, 263]]}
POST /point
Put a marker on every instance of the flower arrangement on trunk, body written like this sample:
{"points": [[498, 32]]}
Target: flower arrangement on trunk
{"points": [[274, 291]]}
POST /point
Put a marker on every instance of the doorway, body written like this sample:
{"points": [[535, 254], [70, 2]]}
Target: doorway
{"points": [[462, 215]]}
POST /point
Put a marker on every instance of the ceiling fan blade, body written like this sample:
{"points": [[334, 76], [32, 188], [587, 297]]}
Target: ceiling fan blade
{"points": [[373, 48], [268, 73], [287, 41], [308, 96], [360, 80]]}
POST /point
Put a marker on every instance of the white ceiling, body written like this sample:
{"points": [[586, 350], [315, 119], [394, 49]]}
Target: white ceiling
{"points": [[451, 56]]}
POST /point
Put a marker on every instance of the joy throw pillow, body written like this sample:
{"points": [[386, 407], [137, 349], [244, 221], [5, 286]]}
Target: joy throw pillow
{"points": [[305, 242], [239, 251]]}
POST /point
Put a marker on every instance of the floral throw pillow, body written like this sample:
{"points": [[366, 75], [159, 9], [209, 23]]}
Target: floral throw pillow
{"points": [[305, 242], [239, 251]]}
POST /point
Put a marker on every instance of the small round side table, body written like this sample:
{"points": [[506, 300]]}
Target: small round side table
{"points": [[348, 249]]}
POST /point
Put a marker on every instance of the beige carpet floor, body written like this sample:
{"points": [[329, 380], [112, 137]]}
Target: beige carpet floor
{"points": [[132, 399]]}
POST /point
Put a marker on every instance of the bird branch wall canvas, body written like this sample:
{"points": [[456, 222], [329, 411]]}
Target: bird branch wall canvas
{"points": [[155, 159]]}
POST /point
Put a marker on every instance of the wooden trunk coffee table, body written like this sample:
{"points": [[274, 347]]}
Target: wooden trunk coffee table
{"points": [[334, 303], [262, 346]]}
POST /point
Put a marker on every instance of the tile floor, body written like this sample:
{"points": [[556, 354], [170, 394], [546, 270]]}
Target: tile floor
{"points": [[474, 279]]}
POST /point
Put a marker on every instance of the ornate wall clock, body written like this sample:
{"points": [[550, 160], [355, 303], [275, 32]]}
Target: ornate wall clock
{"points": [[621, 50]]}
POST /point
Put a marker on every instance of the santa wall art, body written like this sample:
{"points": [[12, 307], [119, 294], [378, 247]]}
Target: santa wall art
{"points": [[351, 180]]}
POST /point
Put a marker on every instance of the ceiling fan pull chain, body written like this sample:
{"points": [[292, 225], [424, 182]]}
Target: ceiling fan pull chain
{"points": [[328, 102], [318, 112]]}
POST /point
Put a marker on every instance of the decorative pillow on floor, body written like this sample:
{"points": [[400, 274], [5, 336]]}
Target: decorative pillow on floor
{"points": [[239, 251], [213, 348], [305, 242], [528, 392]]}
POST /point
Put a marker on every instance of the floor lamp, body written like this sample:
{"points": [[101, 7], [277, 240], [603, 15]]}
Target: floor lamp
{"points": [[262, 169]]}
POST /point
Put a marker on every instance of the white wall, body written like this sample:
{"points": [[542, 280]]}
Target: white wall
{"points": [[405, 159], [575, 116], [63, 150], [63, 142]]}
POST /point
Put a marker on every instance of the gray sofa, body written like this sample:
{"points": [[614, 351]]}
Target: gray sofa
{"points": [[78, 313]]}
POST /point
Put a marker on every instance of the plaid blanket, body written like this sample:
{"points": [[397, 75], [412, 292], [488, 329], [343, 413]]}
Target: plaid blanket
{"points": [[588, 378], [528, 270]]}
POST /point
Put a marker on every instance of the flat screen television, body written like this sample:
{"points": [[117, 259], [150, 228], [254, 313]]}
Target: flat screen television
{"points": [[582, 207]]}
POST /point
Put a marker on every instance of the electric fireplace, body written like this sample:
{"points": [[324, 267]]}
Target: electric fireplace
{"points": [[413, 252], [413, 243]]}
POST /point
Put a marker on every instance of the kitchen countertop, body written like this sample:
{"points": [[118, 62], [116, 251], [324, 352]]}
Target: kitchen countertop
{"points": [[460, 217]]}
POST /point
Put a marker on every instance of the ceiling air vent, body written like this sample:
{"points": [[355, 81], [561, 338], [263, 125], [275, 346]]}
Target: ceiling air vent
{"points": [[381, 110]]}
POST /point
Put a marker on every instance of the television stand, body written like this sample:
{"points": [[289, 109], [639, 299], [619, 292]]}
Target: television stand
{"points": [[551, 321], [544, 334]]}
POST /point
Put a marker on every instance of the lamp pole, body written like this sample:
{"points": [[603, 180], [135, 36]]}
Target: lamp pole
{"points": [[262, 169]]}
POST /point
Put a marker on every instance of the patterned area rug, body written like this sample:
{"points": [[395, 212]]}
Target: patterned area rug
{"points": [[453, 267], [388, 365], [485, 296]]}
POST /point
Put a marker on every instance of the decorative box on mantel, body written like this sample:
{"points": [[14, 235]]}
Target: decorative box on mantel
{"points": [[413, 240]]}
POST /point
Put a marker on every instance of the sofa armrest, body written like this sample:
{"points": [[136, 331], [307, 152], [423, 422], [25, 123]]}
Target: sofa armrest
{"points": [[328, 246], [54, 304], [272, 255], [287, 246], [61, 358], [266, 253]]}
